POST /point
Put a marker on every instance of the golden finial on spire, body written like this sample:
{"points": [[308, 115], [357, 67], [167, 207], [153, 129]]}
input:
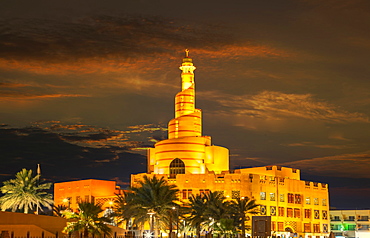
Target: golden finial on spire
{"points": [[186, 53]]}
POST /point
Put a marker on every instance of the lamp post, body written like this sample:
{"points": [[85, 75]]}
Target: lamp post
{"points": [[177, 221], [151, 218]]}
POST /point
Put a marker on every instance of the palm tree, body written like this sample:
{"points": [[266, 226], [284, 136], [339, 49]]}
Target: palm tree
{"points": [[153, 195], [25, 193], [87, 220], [58, 210], [241, 207], [197, 215]]}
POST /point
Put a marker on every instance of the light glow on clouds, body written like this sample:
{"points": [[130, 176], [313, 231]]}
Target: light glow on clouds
{"points": [[277, 106]]}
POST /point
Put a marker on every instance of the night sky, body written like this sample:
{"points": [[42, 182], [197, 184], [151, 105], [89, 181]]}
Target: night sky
{"points": [[86, 86]]}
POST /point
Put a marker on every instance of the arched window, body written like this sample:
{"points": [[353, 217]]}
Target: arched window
{"points": [[177, 166]]}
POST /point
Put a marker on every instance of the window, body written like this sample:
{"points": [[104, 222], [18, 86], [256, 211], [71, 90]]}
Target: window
{"points": [[203, 191], [186, 193], [280, 226], [273, 226], [308, 200], [325, 228], [336, 218], [177, 166], [281, 211], [351, 227], [335, 227], [78, 199], [290, 198], [307, 227], [272, 211], [297, 199], [235, 194], [323, 202], [281, 197], [316, 214], [263, 210], [297, 212], [263, 195], [325, 214], [289, 212], [272, 196], [316, 201], [316, 228], [307, 213], [87, 198]]}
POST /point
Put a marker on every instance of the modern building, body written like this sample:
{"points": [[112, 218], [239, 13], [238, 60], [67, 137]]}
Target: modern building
{"points": [[189, 160], [350, 223], [71, 193]]}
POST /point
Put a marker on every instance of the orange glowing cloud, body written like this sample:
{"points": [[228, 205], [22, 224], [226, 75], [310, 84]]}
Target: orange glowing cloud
{"points": [[276, 106], [236, 51], [17, 96]]}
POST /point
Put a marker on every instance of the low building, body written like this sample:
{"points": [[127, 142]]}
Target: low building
{"points": [[71, 193], [350, 223]]}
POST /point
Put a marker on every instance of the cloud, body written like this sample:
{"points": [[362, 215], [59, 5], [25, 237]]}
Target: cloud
{"points": [[275, 106], [135, 137], [18, 96], [104, 44], [354, 165], [322, 146]]}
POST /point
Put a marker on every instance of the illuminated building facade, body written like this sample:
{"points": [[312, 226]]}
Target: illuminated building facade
{"points": [[71, 193], [190, 161], [350, 223]]}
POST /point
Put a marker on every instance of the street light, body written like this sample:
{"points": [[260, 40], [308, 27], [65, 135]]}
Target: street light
{"points": [[151, 217], [68, 201], [177, 222]]}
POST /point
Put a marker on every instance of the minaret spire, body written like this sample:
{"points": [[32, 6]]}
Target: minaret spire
{"points": [[186, 53]]}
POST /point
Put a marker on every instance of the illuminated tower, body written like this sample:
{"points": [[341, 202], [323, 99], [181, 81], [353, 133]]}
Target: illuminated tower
{"points": [[187, 151]]}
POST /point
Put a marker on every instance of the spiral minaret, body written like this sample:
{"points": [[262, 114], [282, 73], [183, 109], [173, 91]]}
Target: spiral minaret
{"points": [[186, 151]]}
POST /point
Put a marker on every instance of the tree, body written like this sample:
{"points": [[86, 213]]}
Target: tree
{"points": [[152, 195], [241, 207], [87, 220], [58, 210], [197, 214], [25, 193]]}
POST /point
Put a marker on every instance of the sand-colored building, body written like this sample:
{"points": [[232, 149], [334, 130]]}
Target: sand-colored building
{"points": [[91, 190], [189, 160]]}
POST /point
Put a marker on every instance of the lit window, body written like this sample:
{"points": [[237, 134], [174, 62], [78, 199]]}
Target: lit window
{"points": [[289, 212], [177, 166], [307, 213], [297, 212], [324, 202], [308, 200], [272, 196], [281, 211], [281, 197], [263, 195], [307, 227], [316, 201]]}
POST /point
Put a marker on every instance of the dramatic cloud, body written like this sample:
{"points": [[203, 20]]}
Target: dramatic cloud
{"points": [[276, 106], [346, 165]]}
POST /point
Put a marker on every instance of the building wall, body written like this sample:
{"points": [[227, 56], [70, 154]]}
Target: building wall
{"points": [[93, 190], [305, 204], [21, 223]]}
